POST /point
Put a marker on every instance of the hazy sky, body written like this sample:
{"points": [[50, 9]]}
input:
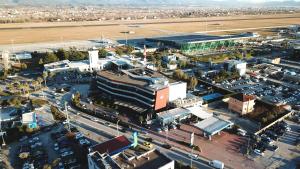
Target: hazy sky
{"points": [[259, 1]]}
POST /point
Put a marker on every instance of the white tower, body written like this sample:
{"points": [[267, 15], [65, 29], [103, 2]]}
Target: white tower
{"points": [[93, 59], [5, 59]]}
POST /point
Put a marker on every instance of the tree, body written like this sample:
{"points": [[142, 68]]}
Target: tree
{"points": [[45, 75], [23, 66], [102, 53], [49, 58], [141, 119], [76, 55], [182, 64], [193, 81], [34, 84], [129, 49], [41, 62], [119, 51], [62, 54], [40, 80], [51, 74]]}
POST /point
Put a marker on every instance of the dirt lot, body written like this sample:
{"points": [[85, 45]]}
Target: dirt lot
{"points": [[44, 32]]}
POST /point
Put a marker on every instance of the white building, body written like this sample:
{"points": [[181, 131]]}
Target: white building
{"points": [[93, 60], [240, 66], [177, 90], [92, 64]]}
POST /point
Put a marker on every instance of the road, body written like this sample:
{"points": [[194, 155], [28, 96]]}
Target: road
{"points": [[105, 131]]}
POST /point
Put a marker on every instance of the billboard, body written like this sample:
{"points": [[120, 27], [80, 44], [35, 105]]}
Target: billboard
{"points": [[161, 99]]}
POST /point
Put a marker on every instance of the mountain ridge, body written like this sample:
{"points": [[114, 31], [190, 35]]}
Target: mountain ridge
{"points": [[227, 3]]}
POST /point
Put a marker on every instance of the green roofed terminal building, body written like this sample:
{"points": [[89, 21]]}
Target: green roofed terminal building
{"points": [[197, 43]]}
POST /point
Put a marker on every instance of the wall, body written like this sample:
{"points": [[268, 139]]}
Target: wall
{"points": [[177, 90], [170, 165], [162, 97], [241, 107]]}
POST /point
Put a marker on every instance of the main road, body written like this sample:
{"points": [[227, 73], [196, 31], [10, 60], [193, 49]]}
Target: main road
{"points": [[102, 128], [107, 130]]}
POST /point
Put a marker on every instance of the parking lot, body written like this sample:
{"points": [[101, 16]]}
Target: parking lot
{"points": [[54, 147], [286, 156], [228, 148], [264, 89]]}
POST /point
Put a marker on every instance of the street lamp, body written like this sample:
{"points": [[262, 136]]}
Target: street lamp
{"points": [[2, 133], [118, 127], [192, 156]]}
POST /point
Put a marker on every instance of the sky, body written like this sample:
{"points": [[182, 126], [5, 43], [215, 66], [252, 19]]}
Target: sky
{"points": [[260, 1]]}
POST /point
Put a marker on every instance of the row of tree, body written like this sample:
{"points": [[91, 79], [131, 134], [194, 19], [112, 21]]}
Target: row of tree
{"points": [[180, 75]]}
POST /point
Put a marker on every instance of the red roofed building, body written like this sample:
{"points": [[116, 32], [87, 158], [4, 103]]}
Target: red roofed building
{"points": [[113, 146]]}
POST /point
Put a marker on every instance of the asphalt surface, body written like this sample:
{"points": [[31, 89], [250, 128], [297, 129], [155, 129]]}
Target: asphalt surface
{"points": [[102, 129]]}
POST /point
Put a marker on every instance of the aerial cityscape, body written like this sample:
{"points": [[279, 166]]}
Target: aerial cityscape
{"points": [[154, 84]]}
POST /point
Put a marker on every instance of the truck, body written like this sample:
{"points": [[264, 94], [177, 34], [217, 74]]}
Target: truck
{"points": [[216, 164]]}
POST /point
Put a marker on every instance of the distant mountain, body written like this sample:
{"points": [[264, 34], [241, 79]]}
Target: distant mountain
{"points": [[223, 3]]}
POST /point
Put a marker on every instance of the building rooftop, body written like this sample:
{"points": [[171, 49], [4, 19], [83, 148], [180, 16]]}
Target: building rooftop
{"points": [[173, 113], [112, 146], [212, 125], [139, 77], [194, 38], [149, 160], [243, 97], [104, 161]]}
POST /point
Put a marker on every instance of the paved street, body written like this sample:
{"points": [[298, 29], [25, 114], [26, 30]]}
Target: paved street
{"points": [[104, 132]]}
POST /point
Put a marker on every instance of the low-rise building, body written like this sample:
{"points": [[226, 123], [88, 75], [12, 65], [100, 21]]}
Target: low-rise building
{"points": [[121, 153], [188, 101], [239, 66], [241, 103]]}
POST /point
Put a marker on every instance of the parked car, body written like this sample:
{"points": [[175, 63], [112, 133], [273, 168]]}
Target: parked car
{"points": [[167, 146], [273, 148], [148, 145], [258, 152], [216, 164]]}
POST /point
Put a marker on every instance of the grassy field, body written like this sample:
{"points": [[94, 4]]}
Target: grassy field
{"points": [[61, 31]]}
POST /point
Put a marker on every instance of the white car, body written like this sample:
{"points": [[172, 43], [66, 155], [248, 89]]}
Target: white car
{"points": [[258, 152], [95, 119], [194, 156]]}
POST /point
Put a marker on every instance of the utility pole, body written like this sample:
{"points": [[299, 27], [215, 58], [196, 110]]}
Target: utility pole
{"points": [[118, 127], [67, 114], [2, 133], [192, 157]]}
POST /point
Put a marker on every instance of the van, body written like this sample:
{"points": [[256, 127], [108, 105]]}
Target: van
{"points": [[216, 164]]}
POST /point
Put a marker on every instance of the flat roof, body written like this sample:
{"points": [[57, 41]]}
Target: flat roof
{"points": [[173, 113], [135, 78], [213, 125], [243, 97], [156, 160], [103, 161], [211, 96], [194, 38], [199, 112], [112, 146]]}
